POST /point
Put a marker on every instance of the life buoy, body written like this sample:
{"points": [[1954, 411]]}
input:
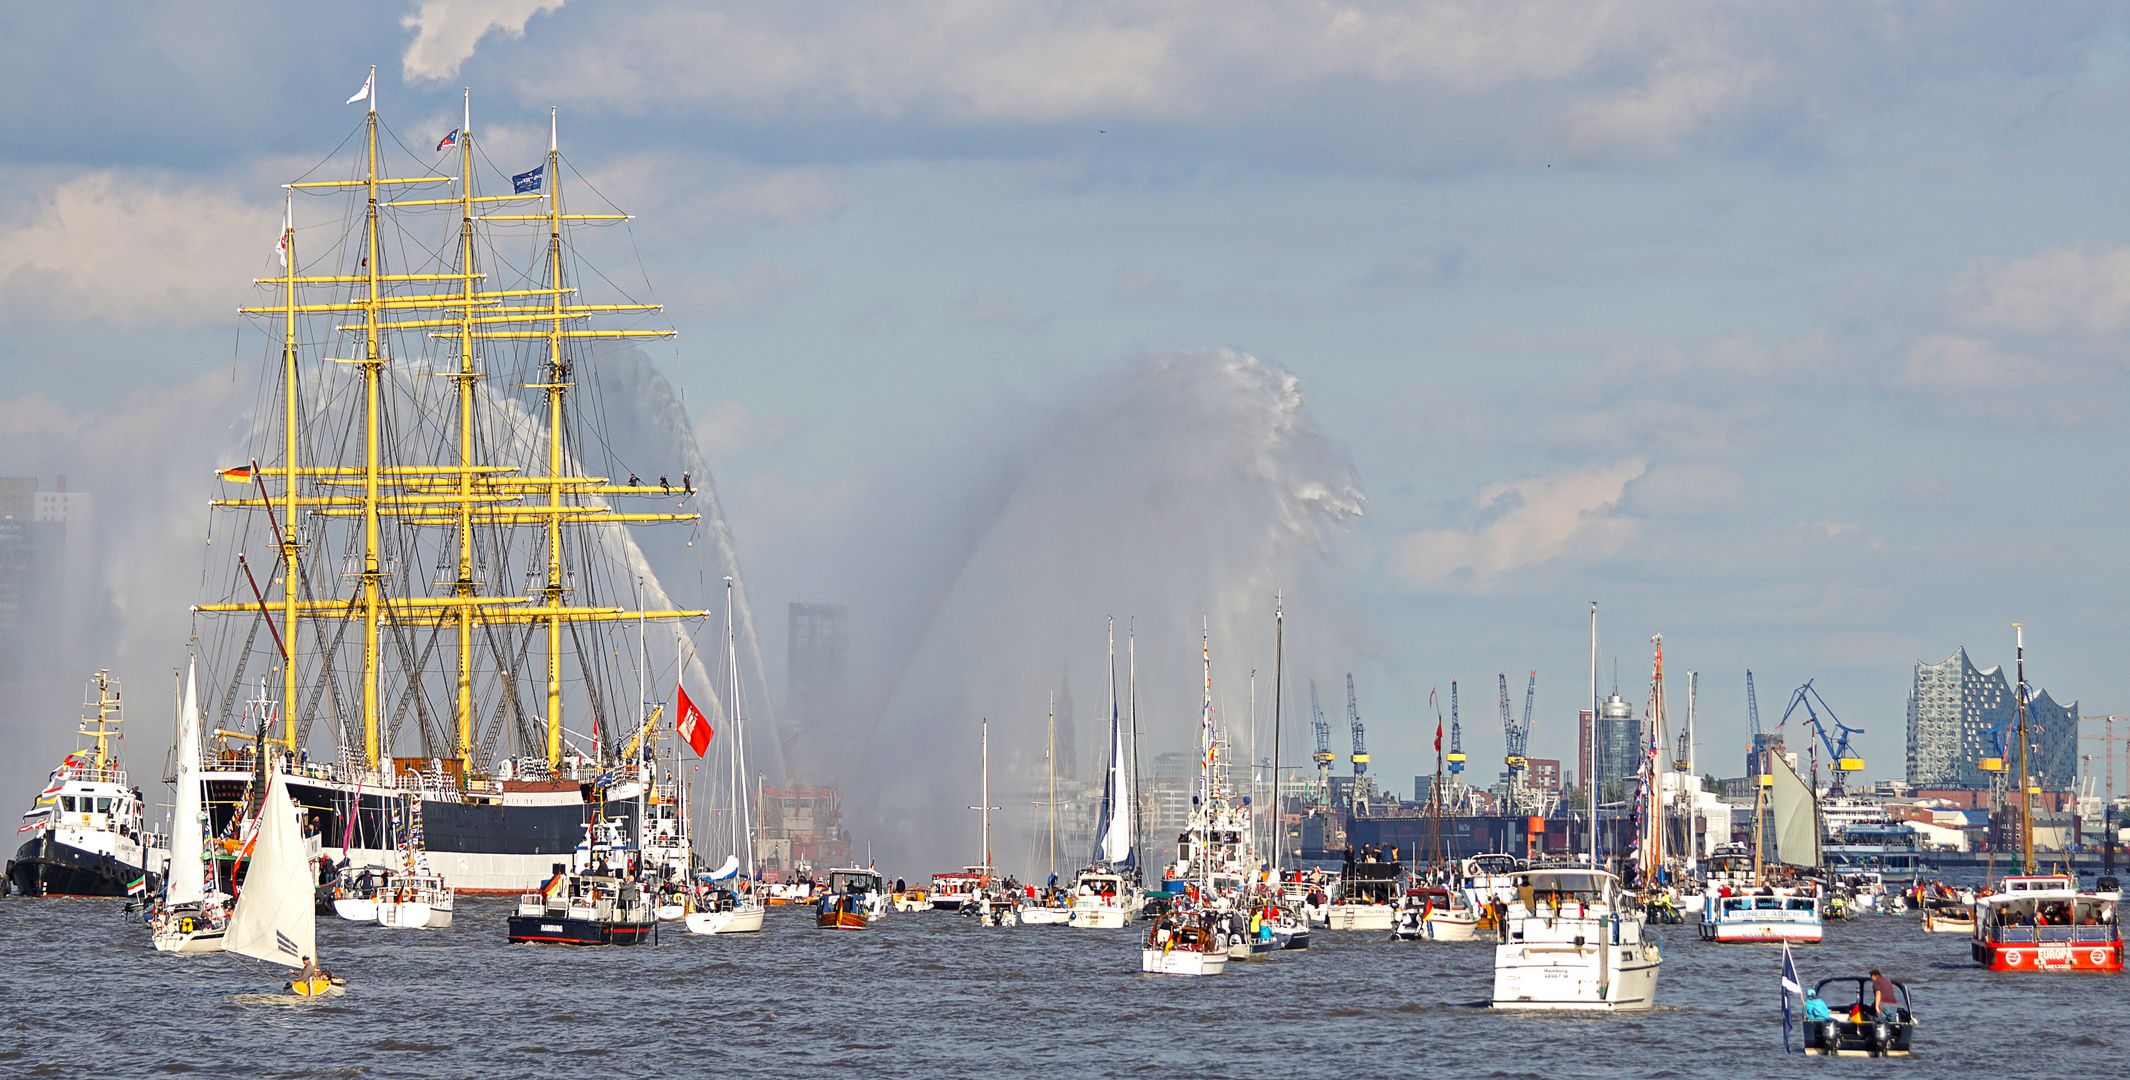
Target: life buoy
{"points": [[2011, 957], [2100, 956]]}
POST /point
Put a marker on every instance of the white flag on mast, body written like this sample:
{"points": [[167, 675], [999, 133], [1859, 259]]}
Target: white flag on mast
{"points": [[365, 91], [282, 244]]}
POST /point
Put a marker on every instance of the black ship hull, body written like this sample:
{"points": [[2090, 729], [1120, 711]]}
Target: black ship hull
{"points": [[548, 930], [46, 867]]}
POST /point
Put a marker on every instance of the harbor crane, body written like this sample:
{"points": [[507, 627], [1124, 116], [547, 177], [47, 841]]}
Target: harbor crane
{"points": [[1323, 755], [1752, 715], [1515, 736], [1353, 718], [1456, 735], [1841, 759]]}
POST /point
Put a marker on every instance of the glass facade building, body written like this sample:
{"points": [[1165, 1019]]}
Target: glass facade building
{"points": [[1959, 714]]}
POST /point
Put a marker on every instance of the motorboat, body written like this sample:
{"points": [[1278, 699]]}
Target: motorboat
{"points": [[1572, 940], [1949, 919], [583, 909], [912, 900], [1859, 1028], [87, 832], [728, 911], [840, 911], [1102, 900], [414, 902], [1368, 894], [1434, 914], [1182, 950], [355, 898], [864, 884], [2045, 923]]}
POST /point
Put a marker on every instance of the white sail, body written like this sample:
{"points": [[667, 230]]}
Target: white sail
{"points": [[1117, 842], [187, 876], [1796, 814], [274, 919]]}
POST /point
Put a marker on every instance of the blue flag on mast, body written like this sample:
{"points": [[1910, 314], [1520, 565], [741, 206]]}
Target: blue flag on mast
{"points": [[527, 181], [1790, 986]]}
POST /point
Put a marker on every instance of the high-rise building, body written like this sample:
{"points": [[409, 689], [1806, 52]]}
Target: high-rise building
{"points": [[1545, 774], [44, 536], [1959, 714], [816, 675], [1619, 748]]}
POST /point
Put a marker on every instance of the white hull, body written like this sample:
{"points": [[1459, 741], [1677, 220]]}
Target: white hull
{"points": [[1728, 932], [671, 912], [412, 915], [1359, 917], [1565, 977], [356, 910], [745, 920], [1436, 929], [1181, 962], [1097, 918], [1045, 916], [199, 941]]}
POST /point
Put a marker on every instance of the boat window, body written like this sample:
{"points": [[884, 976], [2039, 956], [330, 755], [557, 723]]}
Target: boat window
{"points": [[1767, 903], [1800, 905], [103, 806]]}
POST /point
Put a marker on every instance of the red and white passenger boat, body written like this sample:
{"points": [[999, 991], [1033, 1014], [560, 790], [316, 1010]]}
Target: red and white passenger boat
{"points": [[2045, 923]]}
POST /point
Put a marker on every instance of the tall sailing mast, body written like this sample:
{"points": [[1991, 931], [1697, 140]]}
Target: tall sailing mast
{"points": [[399, 493]]}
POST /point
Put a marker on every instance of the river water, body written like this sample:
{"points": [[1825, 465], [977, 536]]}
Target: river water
{"points": [[933, 996]]}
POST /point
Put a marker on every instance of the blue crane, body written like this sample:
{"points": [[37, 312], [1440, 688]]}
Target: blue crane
{"points": [[1353, 718], [1323, 755], [1841, 759], [1456, 733]]}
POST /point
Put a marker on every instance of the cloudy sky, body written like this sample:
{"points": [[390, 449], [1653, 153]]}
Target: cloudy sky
{"points": [[1793, 332]]}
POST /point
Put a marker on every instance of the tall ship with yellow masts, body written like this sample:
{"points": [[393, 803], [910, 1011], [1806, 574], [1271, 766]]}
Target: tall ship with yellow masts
{"points": [[451, 606]]}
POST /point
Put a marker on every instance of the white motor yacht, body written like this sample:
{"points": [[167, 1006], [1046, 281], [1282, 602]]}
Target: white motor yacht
{"points": [[1572, 941]]}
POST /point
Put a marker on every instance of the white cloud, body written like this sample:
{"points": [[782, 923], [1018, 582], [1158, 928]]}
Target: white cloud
{"points": [[2075, 289], [133, 250], [448, 31], [1526, 523]]}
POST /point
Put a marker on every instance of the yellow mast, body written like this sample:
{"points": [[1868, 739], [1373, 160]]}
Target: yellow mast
{"points": [[291, 557], [106, 704], [556, 377], [372, 364], [2026, 785], [463, 584]]}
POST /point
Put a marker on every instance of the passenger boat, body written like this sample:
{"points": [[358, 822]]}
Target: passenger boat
{"points": [[192, 914], [1368, 894], [1578, 944], [2044, 923], [583, 909], [1763, 911], [419, 901], [1854, 1027], [953, 888], [840, 911], [87, 835], [1181, 950]]}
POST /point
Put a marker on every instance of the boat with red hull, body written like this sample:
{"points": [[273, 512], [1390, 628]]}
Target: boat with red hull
{"points": [[2044, 923]]}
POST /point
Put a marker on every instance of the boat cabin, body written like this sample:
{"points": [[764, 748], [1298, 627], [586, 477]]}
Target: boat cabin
{"points": [[854, 882]]}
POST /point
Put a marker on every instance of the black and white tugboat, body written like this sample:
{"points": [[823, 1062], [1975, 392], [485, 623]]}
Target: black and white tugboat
{"points": [[584, 909], [85, 828]]}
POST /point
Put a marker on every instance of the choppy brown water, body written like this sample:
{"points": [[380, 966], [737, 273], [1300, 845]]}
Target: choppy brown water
{"points": [[933, 996]]}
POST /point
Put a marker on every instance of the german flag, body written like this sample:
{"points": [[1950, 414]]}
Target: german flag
{"points": [[240, 473]]}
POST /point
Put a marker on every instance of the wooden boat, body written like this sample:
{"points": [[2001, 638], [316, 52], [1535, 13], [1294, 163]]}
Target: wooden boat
{"points": [[1952, 919], [1854, 1028], [840, 912]]}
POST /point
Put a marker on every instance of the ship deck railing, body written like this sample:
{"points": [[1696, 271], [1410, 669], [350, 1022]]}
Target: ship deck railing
{"points": [[2033, 935], [89, 774]]}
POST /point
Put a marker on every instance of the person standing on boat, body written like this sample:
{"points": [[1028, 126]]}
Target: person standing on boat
{"points": [[1884, 998]]}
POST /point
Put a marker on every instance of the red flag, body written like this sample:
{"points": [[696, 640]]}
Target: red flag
{"points": [[1438, 734], [693, 726]]}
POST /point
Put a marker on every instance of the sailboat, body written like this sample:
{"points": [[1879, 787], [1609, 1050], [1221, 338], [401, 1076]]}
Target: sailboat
{"points": [[733, 908], [2043, 922], [193, 914], [414, 897], [987, 903], [1767, 911], [1105, 895], [275, 918], [445, 592]]}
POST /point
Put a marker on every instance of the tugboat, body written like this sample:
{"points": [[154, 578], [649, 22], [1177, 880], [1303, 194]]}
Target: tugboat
{"points": [[584, 909], [1860, 1030], [86, 831]]}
